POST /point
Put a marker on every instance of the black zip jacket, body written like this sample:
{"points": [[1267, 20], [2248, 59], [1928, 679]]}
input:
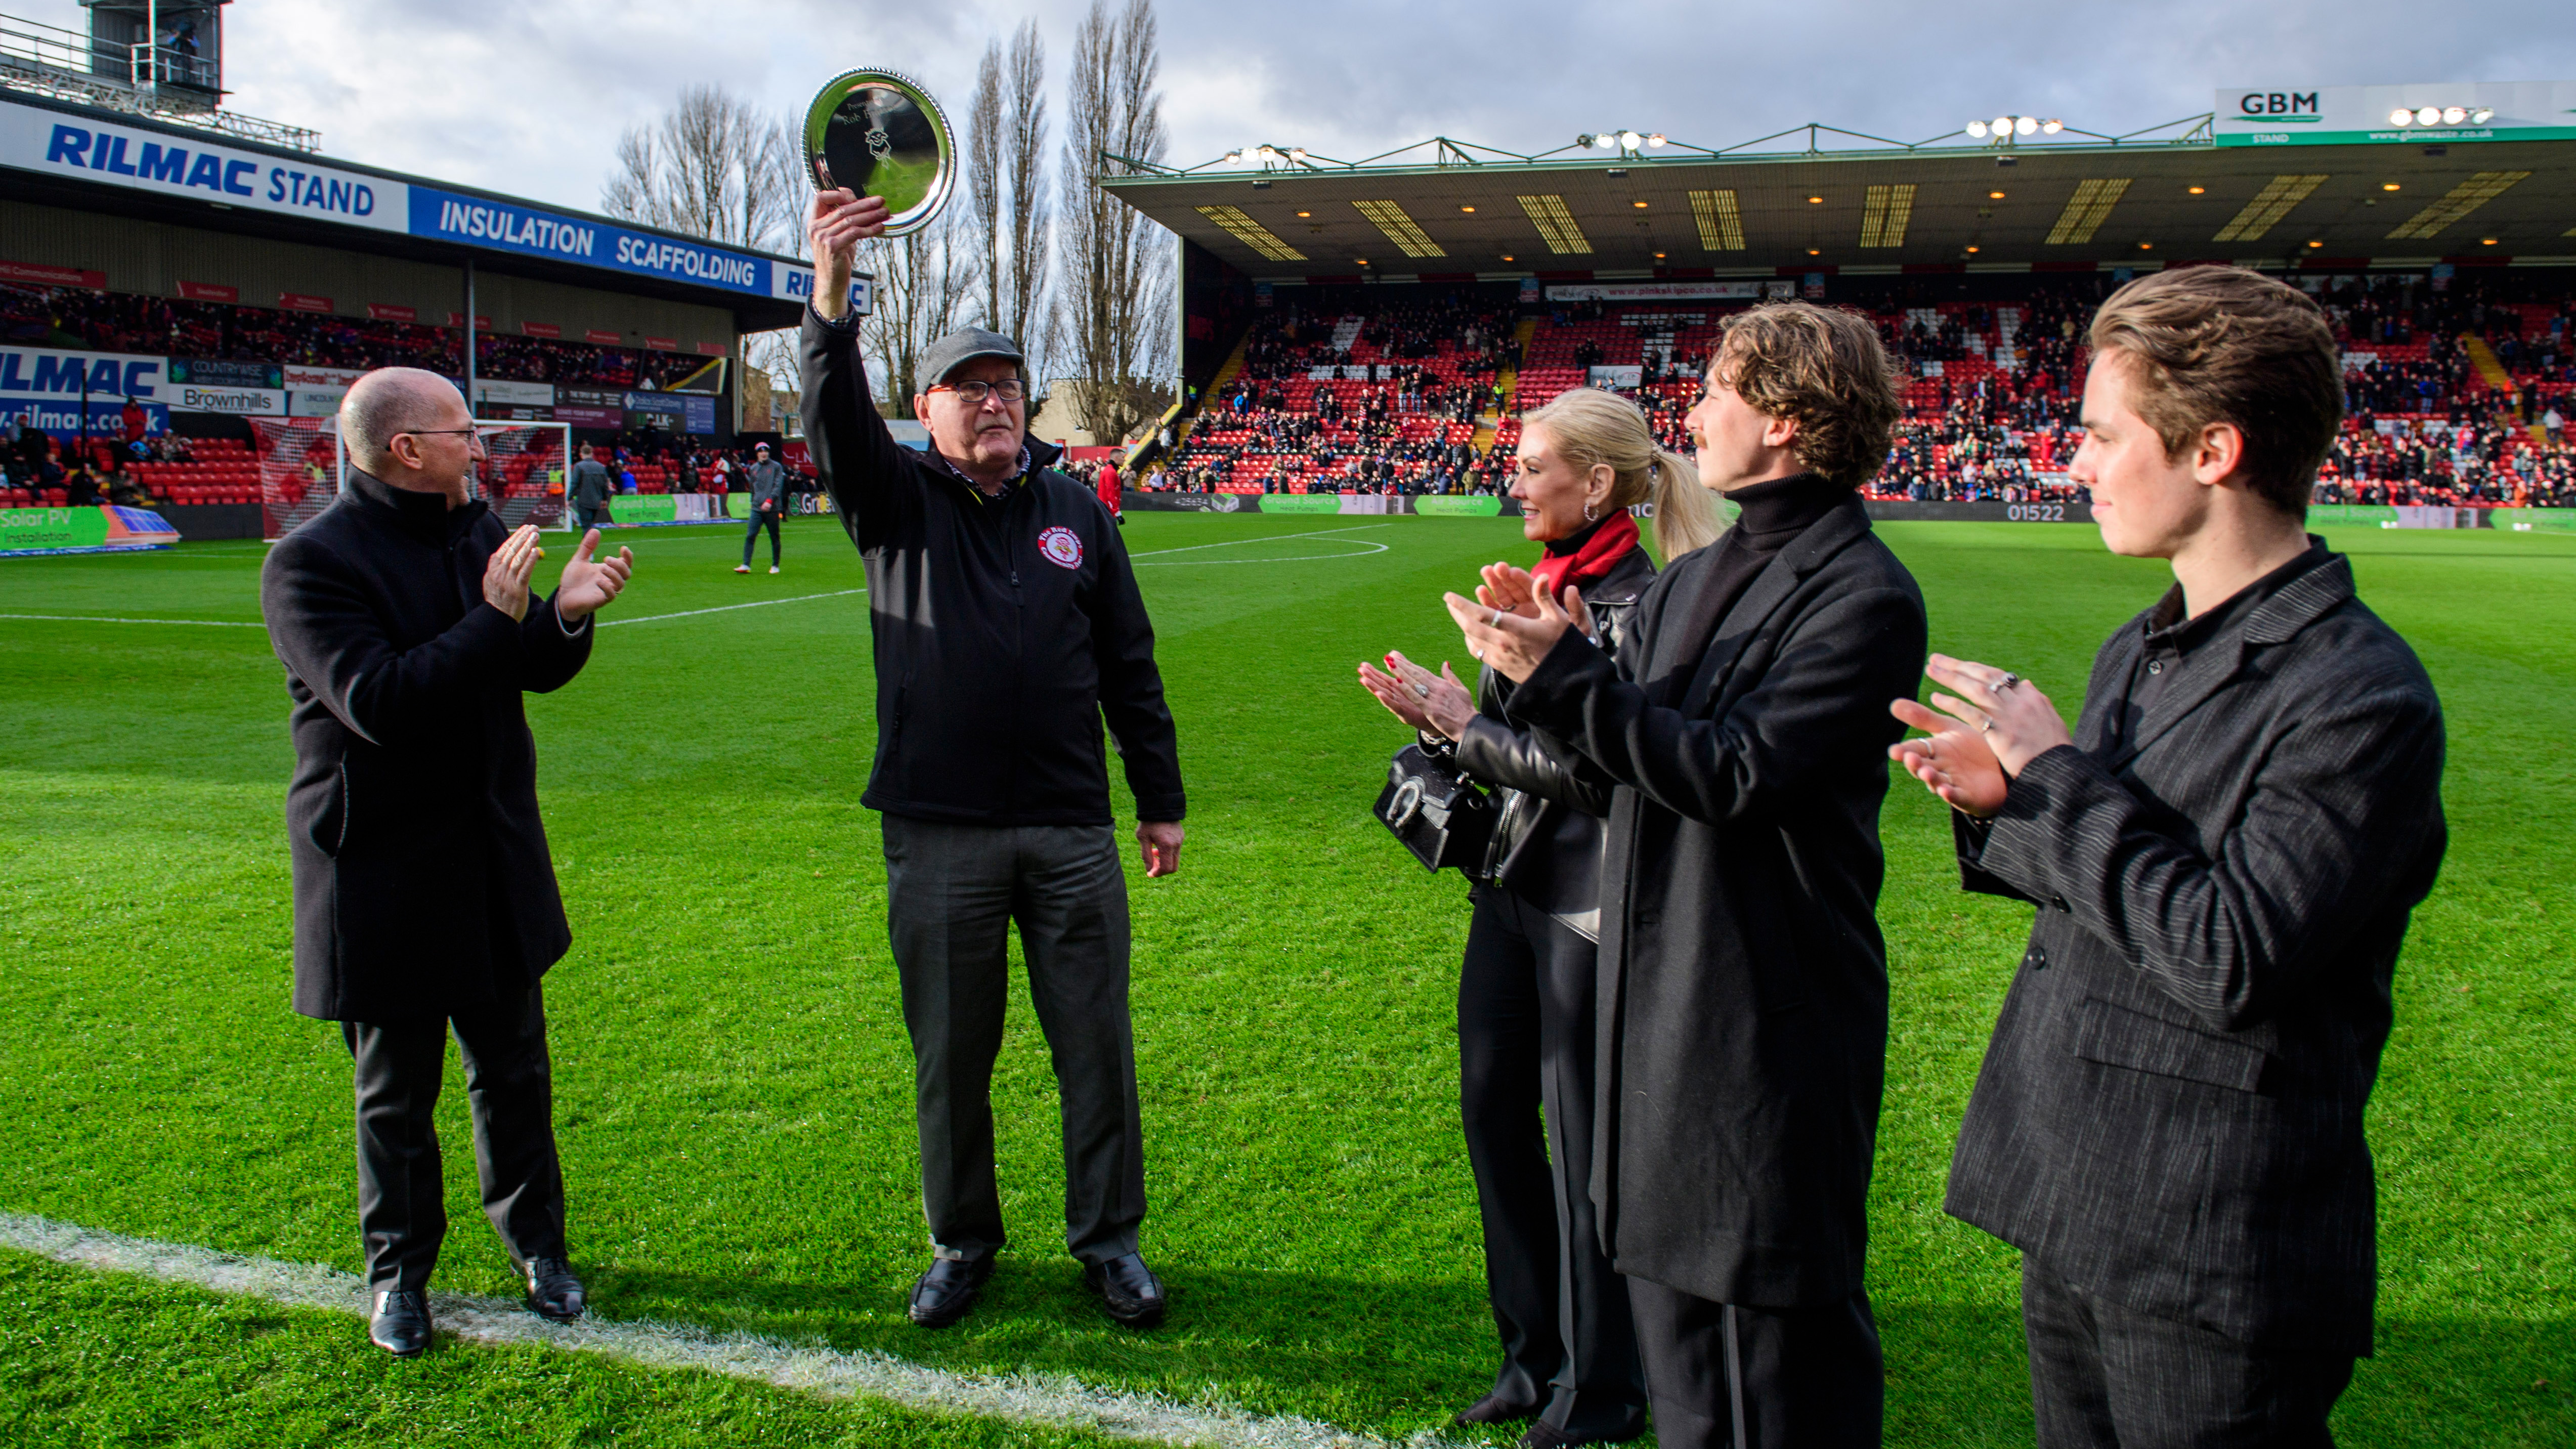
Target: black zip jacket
{"points": [[1006, 628]]}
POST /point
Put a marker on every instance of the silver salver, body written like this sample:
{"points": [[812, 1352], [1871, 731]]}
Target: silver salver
{"points": [[880, 134]]}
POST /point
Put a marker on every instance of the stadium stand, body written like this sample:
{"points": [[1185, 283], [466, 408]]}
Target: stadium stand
{"points": [[126, 322], [2450, 392]]}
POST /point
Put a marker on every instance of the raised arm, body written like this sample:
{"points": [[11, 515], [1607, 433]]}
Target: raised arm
{"points": [[860, 463]]}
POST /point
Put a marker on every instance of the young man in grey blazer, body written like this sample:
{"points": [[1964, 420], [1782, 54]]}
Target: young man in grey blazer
{"points": [[2224, 854]]}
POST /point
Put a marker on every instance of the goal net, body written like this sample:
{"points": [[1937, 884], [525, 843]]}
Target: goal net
{"points": [[299, 468], [523, 472]]}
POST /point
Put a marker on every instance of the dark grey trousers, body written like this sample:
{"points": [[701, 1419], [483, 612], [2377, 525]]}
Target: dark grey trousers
{"points": [[2107, 1377], [1726, 1374], [952, 892], [509, 1084]]}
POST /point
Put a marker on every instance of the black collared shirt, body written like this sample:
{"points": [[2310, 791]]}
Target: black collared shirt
{"points": [[2171, 638]]}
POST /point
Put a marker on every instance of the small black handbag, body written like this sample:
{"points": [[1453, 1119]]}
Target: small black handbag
{"points": [[1432, 808]]}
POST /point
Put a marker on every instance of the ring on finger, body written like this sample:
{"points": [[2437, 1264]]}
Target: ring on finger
{"points": [[1986, 725], [2008, 681]]}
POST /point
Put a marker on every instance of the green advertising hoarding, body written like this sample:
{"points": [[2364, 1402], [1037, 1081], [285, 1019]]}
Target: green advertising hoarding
{"points": [[104, 529], [643, 508], [1301, 503], [1461, 507]]}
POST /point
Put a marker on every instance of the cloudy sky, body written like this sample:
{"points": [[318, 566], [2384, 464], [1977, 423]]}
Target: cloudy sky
{"points": [[528, 98]]}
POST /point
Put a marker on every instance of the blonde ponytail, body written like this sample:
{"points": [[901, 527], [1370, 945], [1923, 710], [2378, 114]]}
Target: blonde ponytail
{"points": [[1588, 427], [1685, 515]]}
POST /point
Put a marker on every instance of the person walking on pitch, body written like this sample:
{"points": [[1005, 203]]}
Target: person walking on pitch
{"points": [[1007, 626], [768, 502], [589, 490], [425, 900]]}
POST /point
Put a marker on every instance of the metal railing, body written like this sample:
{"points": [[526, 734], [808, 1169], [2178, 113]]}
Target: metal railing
{"points": [[160, 81]]}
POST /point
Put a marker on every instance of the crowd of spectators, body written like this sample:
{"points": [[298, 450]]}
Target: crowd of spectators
{"points": [[223, 331]]}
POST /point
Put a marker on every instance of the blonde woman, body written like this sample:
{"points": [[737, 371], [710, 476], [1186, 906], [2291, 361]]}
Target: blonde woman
{"points": [[1525, 1016]]}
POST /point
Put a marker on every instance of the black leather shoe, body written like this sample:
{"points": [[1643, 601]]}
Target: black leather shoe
{"points": [[945, 1292], [1130, 1289], [401, 1323], [553, 1291], [1493, 1409]]}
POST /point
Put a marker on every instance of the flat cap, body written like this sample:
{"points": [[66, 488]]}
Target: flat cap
{"points": [[963, 346]]}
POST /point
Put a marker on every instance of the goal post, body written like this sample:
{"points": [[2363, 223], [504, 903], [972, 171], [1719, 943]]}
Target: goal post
{"points": [[525, 469]]}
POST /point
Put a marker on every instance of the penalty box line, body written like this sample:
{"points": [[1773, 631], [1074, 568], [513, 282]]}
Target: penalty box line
{"points": [[826, 1373]]}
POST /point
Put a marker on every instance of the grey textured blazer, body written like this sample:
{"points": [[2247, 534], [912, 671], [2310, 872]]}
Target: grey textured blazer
{"points": [[2170, 1113]]}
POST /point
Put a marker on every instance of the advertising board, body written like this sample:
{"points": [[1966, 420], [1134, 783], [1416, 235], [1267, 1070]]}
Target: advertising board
{"points": [[1654, 291], [2438, 112], [201, 167], [217, 372], [248, 402]]}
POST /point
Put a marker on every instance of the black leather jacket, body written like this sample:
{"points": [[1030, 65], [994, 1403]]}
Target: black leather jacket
{"points": [[1547, 836]]}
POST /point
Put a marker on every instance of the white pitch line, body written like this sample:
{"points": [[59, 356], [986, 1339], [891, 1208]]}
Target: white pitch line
{"points": [[724, 608], [1265, 538], [828, 1373], [103, 619]]}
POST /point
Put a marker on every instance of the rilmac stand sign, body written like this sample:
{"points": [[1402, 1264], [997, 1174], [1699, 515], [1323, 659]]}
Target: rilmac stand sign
{"points": [[2435, 111]]}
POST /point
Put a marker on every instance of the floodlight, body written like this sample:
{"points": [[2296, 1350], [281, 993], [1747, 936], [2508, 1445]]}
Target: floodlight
{"points": [[2428, 115], [2401, 117], [1296, 153], [1656, 139], [2454, 115], [2484, 115], [2002, 126], [2025, 126], [1234, 155], [2052, 125], [1977, 129], [1631, 140]]}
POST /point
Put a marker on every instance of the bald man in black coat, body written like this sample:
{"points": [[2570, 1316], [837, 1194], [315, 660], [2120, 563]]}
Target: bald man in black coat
{"points": [[424, 896]]}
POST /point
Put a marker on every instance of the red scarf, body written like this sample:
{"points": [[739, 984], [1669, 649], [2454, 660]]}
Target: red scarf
{"points": [[1591, 563]]}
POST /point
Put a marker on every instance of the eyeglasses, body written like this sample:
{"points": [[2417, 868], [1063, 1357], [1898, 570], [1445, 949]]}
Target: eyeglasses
{"points": [[973, 393], [439, 432]]}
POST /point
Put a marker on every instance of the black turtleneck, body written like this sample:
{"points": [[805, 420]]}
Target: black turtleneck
{"points": [[1773, 514]]}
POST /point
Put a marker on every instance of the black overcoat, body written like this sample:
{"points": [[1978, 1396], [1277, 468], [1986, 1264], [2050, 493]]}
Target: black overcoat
{"points": [[422, 881], [1743, 982], [2170, 1113]]}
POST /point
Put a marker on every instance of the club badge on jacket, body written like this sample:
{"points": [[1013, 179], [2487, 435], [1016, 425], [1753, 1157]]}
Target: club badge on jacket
{"points": [[1062, 547]]}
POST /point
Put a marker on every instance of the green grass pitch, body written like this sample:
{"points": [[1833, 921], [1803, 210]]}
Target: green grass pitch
{"points": [[734, 1084]]}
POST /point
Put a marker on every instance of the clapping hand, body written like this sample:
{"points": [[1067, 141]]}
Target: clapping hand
{"points": [[505, 573], [1434, 703], [1976, 744], [589, 585], [1509, 640]]}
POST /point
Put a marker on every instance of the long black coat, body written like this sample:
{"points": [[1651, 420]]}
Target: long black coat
{"points": [[2170, 1114], [1743, 982], [422, 882]]}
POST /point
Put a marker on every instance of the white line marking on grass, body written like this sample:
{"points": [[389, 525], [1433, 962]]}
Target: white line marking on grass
{"points": [[1367, 547], [724, 608], [1052, 1399], [103, 619]]}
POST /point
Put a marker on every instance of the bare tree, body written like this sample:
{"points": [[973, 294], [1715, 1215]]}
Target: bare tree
{"points": [[925, 282], [1006, 186], [713, 166], [1023, 297], [1109, 317]]}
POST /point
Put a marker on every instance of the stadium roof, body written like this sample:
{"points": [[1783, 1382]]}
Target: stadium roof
{"points": [[1887, 207], [56, 153]]}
